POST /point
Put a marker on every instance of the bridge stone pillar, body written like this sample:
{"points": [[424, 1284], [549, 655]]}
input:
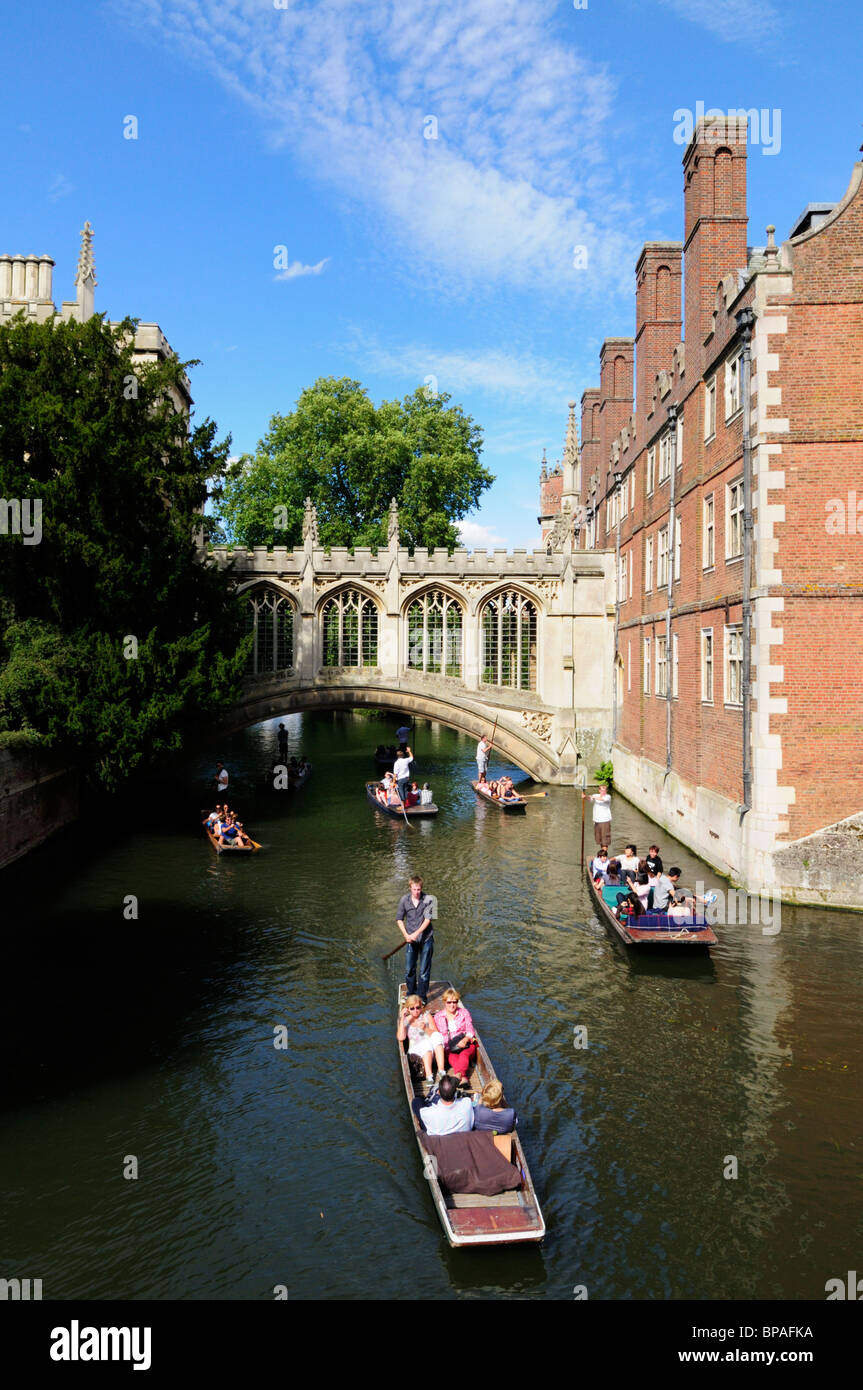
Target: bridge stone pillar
{"points": [[470, 654]]}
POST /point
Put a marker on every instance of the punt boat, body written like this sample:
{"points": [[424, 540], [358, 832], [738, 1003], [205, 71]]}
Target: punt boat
{"points": [[231, 849], [417, 812], [653, 928], [519, 805], [467, 1218]]}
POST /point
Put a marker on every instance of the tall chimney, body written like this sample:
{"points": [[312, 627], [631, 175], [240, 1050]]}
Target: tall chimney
{"points": [[615, 395], [657, 318], [714, 168]]}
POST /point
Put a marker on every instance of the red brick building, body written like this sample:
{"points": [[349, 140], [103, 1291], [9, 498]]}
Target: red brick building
{"points": [[726, 482]]}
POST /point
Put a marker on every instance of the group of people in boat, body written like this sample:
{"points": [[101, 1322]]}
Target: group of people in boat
{"points": [[227, 830], [389, 793], [501, 789], [442, 1040], [644, 886]]}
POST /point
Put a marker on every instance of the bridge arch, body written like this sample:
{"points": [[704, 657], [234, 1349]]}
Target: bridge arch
{"points": [[520, 746]]}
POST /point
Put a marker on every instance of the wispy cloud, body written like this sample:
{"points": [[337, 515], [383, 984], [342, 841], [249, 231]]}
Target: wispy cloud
{"points": [[751, 22], [514, 177], [60, 188], [294, 269], [523, 376]]}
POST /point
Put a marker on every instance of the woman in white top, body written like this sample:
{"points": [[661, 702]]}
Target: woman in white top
{"points": [[424, 1040]]}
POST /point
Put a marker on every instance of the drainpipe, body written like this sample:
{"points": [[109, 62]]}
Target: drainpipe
{"points": [[669, 664], [618, 477], [745, 322]]}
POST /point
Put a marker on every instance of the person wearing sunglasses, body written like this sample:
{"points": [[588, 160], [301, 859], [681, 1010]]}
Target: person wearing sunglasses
{"points": [[416, 1026]]}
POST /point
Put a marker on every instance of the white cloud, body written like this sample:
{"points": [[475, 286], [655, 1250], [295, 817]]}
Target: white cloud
{"points": [[750, 22], [295, 269], [60, 188], [477, 537], [517, 174], [523, 376]]}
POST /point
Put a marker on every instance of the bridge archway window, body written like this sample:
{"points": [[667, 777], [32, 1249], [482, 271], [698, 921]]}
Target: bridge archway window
{"points": [[350, 630], [508, 650], [270, 618], [434, 634]]}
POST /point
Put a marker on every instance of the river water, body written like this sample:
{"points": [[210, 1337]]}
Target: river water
{"points": [[149, 1043]]}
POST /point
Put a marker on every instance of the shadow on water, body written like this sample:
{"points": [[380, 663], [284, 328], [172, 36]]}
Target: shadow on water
{"points": [[91, 997]]}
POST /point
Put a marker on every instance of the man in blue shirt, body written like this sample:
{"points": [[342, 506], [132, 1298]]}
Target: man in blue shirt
{"points": [[414, 914]]}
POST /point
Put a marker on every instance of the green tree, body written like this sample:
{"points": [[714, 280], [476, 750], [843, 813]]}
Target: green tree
{"points": [[352, 458], [96, 438]]}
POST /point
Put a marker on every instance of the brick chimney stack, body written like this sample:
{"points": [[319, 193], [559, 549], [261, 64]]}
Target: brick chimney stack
{"points": [[714, 169], [615, 394], [657, 318]]}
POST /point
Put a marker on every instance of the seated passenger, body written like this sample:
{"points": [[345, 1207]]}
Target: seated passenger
{"points": [[599, 863], [628, 861], [644, 891], [413, 796], [213, 818], [450, 1113], [242, 837], [654, 863], [508, 791], [455, 1026], [426, 797], [416, 1026], [628, 907], [227, 831], [612, 873], [492, 1112]]}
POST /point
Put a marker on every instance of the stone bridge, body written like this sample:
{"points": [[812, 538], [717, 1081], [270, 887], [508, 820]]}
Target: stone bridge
{"points": [[524, 638]]}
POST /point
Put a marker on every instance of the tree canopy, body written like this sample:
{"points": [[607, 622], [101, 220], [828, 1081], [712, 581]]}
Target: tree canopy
{"points": [[114, 638], [352, 457]]}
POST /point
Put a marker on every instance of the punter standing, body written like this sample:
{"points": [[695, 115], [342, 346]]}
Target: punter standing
{"points": [[414, 914], [483, 749], [402, 774], [601, 815]]}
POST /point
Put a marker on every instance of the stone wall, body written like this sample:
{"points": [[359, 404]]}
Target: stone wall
{"points": [[36, 798]]}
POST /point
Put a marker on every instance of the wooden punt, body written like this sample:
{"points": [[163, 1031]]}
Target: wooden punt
{"points": [[512, 1217], [520, 805], [231, 849], [418, 811], [661, 932]]}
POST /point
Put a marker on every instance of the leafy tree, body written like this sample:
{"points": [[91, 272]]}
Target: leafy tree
{"points": [[352, 458], [97, 439]]}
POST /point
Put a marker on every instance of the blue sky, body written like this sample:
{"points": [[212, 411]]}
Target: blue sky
{"points": [[261, 126]]}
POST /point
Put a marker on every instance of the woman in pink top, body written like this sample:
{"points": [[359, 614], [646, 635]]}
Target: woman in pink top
{"points": [[455, 1026]]}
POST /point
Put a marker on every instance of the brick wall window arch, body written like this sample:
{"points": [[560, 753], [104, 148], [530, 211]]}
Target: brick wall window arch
{"points": [[620, 376], [434, 633], [349, 629], [723, 166], [508, 641], [664, 307], [270, 619]]}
